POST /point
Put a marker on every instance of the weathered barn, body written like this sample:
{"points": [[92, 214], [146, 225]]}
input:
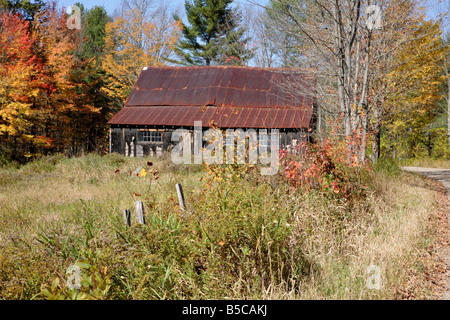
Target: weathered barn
{"points": [[167, 98]]}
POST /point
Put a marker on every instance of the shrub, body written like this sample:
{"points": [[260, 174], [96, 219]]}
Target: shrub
{"points": [[324, 168]]}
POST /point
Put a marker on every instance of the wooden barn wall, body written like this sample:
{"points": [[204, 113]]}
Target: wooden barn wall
{"points": [[125, 141]]}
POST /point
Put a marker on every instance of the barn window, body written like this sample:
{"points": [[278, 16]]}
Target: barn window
{"points": [[151, 136], [264, 139]]}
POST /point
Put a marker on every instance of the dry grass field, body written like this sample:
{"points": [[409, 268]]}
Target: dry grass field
{"points": [[241, 237]]}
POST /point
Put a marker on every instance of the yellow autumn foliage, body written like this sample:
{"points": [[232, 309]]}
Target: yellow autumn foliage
{"points": [[415, 82], [132, 42]]}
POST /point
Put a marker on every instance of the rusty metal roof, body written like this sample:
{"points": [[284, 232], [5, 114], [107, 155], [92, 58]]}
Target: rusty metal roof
{"points": [[224, 117], [231, 97]]}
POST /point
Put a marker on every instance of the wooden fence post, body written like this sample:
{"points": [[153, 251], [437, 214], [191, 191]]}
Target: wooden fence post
{"points": [[127, 217], [140, 211], [180, 196]]}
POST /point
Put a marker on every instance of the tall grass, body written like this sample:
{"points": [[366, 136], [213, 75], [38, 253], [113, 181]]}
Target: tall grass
{"points": [[426, 163], [240, 238]]}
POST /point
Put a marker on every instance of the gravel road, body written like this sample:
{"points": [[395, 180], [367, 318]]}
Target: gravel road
{"points": [[443, 176]]}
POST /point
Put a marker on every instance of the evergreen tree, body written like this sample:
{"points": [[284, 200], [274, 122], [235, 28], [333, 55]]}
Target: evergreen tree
{"points": [[94, 23], [26, 8], [213, 36], [89, 76]]}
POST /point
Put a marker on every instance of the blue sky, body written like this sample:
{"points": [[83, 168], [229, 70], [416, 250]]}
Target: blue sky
{"points": [[111, 5]]}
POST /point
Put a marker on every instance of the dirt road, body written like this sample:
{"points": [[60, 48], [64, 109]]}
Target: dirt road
{"points": [[443, 176]]}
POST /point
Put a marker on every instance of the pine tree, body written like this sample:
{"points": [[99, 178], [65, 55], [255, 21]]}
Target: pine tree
{"points": [[94, 25], [26, 8], [214, 35]]}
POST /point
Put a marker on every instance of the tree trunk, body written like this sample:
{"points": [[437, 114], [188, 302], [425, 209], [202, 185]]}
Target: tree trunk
{"points": [[376, 136]]}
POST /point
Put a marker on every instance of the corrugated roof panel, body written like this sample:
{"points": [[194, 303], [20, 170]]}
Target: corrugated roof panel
{"points": [[139, 117], [298, 118], [241, 98], [208, 77], [164, 77], [183, 96], [216, 77], [210, 96], [202, 78], [205, 115], [142, 79], [272, 117], [134, 97], [156, 98], [240, 87], [152, 79], [131, 117], [167, 117], [191, 78], [242, 118], [180, 79], [259, 98], [214, 117], [220, 96], [199, 96], [265, 118], [229, 96], [238, 78], [253, 80], [194, 79], [152, 113], [197, 114], [251, 120], [226, 77], [227, 116], [267, 79], [286, 119], [170, 96], [271, 98], [186, 115], [169, 79], [190, 116], [239, 117]]}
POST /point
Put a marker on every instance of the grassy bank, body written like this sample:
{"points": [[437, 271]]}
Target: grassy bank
{"points": [[426, 163], [242, 237]]}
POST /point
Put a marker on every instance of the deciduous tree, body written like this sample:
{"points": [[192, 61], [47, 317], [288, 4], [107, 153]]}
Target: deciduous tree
{"points": [[134, 40], [17, 84]]}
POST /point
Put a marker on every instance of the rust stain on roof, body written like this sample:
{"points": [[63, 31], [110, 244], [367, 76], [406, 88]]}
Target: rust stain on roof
{"points": [[225, 117], [232, 97]]}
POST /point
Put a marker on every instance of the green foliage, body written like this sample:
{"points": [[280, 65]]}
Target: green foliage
{"points": [[241, 235], [26, 8], [94, 24], [387, 166]]}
